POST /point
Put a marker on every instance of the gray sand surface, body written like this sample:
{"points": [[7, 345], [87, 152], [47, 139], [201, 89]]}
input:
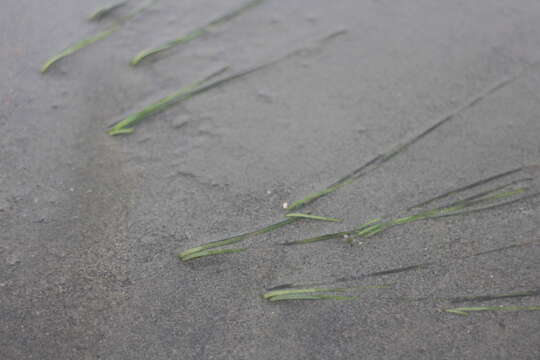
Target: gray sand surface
{"points": [[90, 225]]}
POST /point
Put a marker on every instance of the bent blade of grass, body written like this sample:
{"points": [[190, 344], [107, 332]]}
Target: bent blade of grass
{"points": [[206, 253], [330, 236], [194, 34], [125, 126], [466, 187], [94, 38], [106, 10], [310, 297], [235, 239], [467, 310], [313, 217], [519, 294], [271, 294], [78, 46]]}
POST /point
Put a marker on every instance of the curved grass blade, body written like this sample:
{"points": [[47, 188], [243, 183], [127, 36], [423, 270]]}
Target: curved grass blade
{"points": [[481, 298], [330, 236], [274, 293], [78, 46], [125, 126], [194, 34], [205, 253], [235, 239], [94, 38], [106, 10], [313, 217], [310, 297], [467, 310]]}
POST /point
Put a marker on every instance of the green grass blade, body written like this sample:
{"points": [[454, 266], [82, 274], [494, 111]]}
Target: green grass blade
{"points": [[125, 126], [206, 253], [106, 10], [271, 294], [78, 46], [467, 187], [313, 217], [194, 34], [491, 297], [235, 239], [310, 297], [467, 310], [167, 45]]}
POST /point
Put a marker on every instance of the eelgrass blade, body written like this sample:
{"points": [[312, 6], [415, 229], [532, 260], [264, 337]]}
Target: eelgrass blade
{"points": [[467, 187], [467, 310], [206, 253], [286, 290], [106, 10], [271, 294], [481, 298], [313, 217], [94, 38], [235, 239], [78, 46], [194, 34], [380, 159], [310, 297], [331, 236], [125, 126]]}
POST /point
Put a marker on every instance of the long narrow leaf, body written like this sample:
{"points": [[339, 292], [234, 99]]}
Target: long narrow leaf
{"points": [[313, 217], [106, 10], [125, 126], [467, 310], [194, 34], [206, 253]]}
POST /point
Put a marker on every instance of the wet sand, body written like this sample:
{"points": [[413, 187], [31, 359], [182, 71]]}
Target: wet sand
{"points": [[91, 224]]}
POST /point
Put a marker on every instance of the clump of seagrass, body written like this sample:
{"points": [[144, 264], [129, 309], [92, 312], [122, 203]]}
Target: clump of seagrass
{"points": [[362, 171], [106, 10], [194, 34], [81, 44], [484, 199]]}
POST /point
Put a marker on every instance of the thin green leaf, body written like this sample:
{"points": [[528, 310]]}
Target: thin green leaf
{"points": [[235, 239], [313, 217], [310, 297], [271, 294], [194, 34], [78, 46], [106, 10], [467, 310], [481, 298], [206, 253], [125, 126]]}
